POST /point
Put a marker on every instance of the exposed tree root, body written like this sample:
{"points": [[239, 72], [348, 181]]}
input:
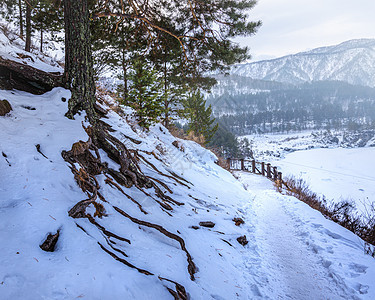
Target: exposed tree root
{"points": [[191, 265], [131, 139], [109, 242], [86, 156], [106, 232], [125, 262], [180, 293], [165, 175], [227, 242], [163, 204], [179, 177], [110, 182], [161, 183], [37, 146]]}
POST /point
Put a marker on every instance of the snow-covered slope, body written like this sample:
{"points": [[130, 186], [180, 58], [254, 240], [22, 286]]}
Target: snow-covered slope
{"points": [[37, 192], [351, 61], [133, 253], [14, 51]]}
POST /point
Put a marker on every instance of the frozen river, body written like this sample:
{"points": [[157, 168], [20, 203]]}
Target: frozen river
{"points": [[335, 173]]}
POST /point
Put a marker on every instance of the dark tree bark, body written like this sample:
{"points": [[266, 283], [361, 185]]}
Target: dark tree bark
{"points": [[21, 17], [79, 72], [166, 102], [41, 37], [28, 26], [16, 75], [125, 71]]}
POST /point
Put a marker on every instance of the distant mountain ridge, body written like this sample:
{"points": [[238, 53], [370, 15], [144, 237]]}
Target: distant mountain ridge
{"points": [[351, 61]]}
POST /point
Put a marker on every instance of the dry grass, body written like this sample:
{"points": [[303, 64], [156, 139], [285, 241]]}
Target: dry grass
{"points": [[180, 133], [221, 161]]}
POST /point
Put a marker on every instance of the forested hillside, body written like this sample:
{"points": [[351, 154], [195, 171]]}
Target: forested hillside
{"points": [[316, 105], [324, 88]]}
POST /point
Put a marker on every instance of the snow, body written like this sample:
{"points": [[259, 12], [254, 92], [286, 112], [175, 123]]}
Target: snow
{"points": [[330, 170], [304, 255], [326, 63], [337, 173], [293, 251], [14, 51], [36, 194]]}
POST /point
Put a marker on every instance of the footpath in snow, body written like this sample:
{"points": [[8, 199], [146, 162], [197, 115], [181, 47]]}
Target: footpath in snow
{"points": [[303, 255]]}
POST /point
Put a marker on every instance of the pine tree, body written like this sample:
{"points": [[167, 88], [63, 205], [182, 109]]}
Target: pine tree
{"points": [[114, 45], [47, 17], [79, 71], [144, 94], [204, 31], [245, 148], [199, 116], [225, 142]]}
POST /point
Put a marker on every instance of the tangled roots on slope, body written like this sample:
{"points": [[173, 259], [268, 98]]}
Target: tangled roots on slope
{"points": [[85, 163]]}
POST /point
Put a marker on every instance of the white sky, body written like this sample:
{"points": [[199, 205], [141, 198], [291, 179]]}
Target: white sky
{"points": [[291, 26]]}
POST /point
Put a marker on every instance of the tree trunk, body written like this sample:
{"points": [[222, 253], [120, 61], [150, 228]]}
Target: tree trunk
{"points": [[20, 76], [125, 71], [166, 100], [41, 37], [21, 17], [79, 72], [28, 26]]}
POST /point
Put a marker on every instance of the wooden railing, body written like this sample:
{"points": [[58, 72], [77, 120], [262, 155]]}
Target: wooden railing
{"points": [[255, 167]]}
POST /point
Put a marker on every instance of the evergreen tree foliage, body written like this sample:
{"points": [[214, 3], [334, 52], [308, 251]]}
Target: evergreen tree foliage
{"points": [[44, 16], [245, 149], [202, 34], [47, 17], [114, 45], [199, 116], [144, 94], [224, 142], [174, 87]]}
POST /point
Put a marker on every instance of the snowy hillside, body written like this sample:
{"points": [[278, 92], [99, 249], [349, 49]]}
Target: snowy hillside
{"points": [[14, 51], [38, 189], [175, 237], [351, 61]]}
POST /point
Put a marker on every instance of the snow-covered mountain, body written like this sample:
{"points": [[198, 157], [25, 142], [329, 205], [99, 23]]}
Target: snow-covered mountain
{"points": [[351, 61]]}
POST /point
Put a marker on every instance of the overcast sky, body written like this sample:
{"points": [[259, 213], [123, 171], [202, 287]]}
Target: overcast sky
{"points": [[291, 26]]}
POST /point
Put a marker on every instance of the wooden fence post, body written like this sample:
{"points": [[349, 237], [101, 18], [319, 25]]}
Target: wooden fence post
{"points": [[242, 165], [275, 173], [280, 175], [253, 166], [228, 163], [263, 169], [269, 170]]}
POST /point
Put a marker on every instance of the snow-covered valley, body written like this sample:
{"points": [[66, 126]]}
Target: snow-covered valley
{"points": [[325, 162], [338, 174]]}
